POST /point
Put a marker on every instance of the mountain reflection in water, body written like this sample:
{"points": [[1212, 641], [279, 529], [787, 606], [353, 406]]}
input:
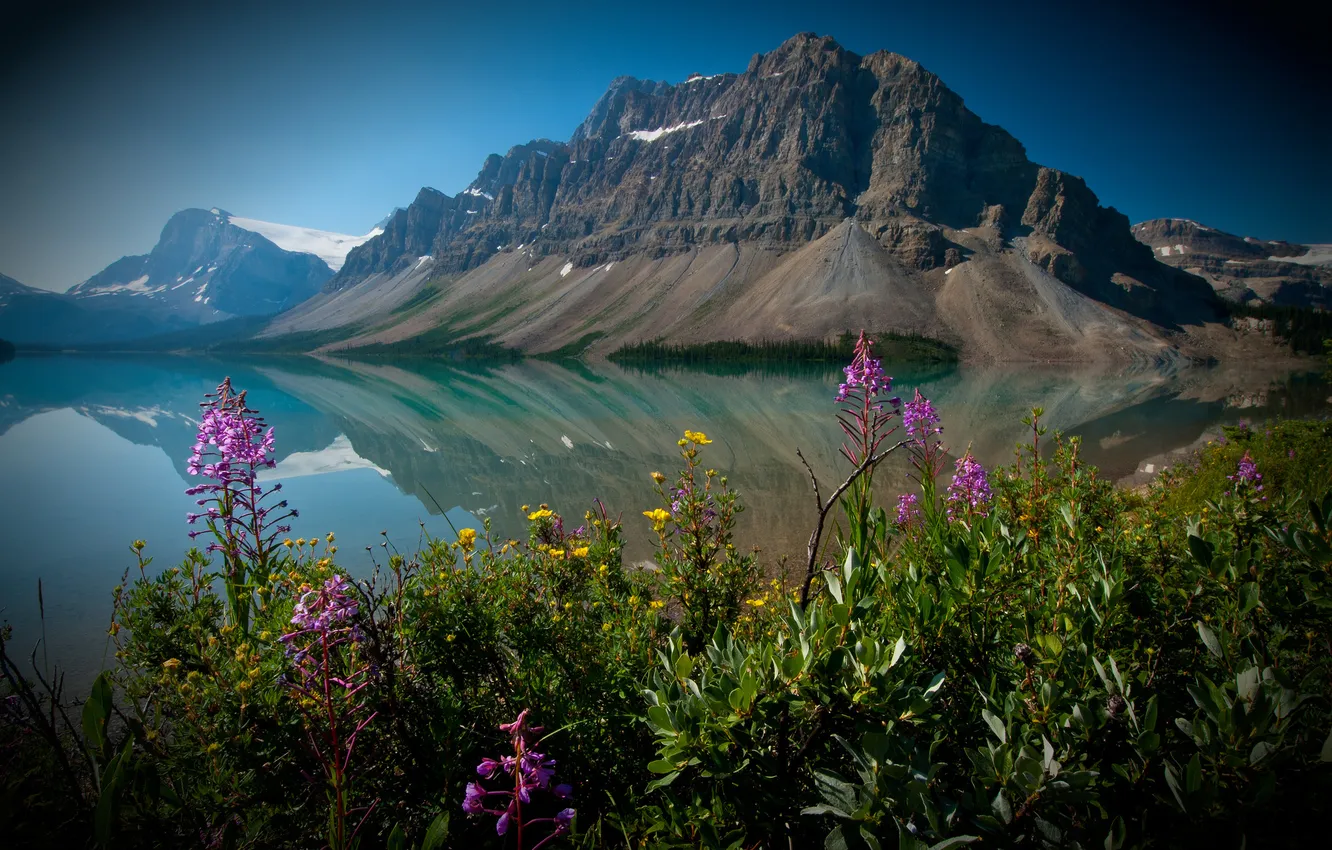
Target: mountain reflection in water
{"points": [[93, 449]]}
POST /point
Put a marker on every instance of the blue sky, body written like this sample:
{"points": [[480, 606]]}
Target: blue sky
{"points": [[328, 115]]}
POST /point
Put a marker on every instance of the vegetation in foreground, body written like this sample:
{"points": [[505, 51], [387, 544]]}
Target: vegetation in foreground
{"points": [[1012, 657]]}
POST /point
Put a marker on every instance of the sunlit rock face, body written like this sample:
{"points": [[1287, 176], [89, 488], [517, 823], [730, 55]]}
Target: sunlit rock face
{"points": [[815, 191]]}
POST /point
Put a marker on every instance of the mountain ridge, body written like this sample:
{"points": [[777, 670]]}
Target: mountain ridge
{"points": [[1243, 269], [780, 156]]}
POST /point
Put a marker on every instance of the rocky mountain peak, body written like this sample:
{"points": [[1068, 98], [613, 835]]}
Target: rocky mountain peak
{"points": [[205, 268], [808, 136]]}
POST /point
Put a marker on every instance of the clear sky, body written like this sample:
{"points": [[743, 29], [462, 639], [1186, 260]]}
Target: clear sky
{"points": [[329, 114]]}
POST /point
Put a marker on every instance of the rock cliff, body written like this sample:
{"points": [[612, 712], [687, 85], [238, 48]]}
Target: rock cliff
{"points": [[759, 164]]}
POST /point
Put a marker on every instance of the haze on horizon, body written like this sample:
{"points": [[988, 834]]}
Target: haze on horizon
{"points": [[329, 115]]}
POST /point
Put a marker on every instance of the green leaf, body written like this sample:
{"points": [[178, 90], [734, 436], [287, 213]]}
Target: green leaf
{"points": [[1066, 511], [663, 782], [1201, 550], [1193, 774], [397, 839], [1326, 754], [834, 583], [1248, 594], [955, 841], [935, 684], [1260, 751], [898, 649], [996, 725], [1002, 808], [661, 766], [824, 809], [1209, 639], [659, 717], [684, 665], [1172, 782], [835, 840], [96, 711], [437, 833]]}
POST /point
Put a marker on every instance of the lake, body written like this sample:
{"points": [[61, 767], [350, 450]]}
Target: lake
{"points": [[93, 451]]}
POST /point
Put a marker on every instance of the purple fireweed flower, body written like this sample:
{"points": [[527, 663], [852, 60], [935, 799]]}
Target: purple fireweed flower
{"points": [[919, 418], [1247, 474], [231, 446], [532, 771], [319, 610], [969, 493], [474, 800], [862, 397], [865, 372], [908, 508]]}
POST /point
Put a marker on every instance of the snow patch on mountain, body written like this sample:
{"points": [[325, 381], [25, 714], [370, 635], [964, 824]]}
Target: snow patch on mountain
{"points": [[1317, 255], [330, 247], [653, 135]]}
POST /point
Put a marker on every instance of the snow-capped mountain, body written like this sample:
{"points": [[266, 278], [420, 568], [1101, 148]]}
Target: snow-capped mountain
{"points": [[209, 265], [330, 247]]}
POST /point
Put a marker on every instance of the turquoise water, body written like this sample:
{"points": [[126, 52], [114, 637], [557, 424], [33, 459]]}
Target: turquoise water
{"points": [[93, 451]]}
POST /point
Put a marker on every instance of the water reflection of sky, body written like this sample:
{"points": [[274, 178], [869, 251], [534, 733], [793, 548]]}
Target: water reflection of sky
{"points": [[92, 451]]}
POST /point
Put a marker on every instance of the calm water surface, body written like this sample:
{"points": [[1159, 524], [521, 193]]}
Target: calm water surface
{"points": [[93, 451]]}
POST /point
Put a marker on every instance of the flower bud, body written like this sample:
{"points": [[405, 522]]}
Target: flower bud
{"points": [[1115, 706]]}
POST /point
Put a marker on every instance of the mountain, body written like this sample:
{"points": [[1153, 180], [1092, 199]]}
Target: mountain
{"points": [[207, 266], [817, 191], [1243, 269], [32, 316]]}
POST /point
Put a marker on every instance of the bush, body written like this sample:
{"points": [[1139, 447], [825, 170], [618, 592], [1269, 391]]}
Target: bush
{"points": [[1017, 656]]}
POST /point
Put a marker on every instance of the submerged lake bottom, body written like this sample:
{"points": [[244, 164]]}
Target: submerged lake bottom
{"points": [[93, 452]]}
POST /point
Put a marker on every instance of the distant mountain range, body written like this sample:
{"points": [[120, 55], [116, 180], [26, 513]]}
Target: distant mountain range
{"points": [[816, 192], [1243, 269], [208, 265]]}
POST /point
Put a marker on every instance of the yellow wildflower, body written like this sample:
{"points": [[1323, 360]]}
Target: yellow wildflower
{"points": [[656, 604], [329, 538], [467, 538], [605, 627], [658, 517], [658, 477], [287, 543], [541, 514], [758, 602], [171, 664], [633, 600], [603, 569], [526, 509], [450, 638], [580, 552], [697, 438]]}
